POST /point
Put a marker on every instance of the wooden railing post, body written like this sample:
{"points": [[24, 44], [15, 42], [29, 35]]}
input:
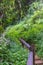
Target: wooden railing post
{"points": [[31, 58]]}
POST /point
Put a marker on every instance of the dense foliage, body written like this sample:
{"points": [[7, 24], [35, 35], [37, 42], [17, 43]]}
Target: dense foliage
{"points": [[12, 10], [11, 53], [27, 23], [31, 30]]}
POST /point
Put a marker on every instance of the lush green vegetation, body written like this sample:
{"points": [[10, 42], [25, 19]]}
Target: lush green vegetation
{"points": [[11, 53], [31, 30], [22, 21], [11, 11]]}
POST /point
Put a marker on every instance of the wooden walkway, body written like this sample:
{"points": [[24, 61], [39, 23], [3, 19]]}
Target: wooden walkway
{"points": [[38, 61]]}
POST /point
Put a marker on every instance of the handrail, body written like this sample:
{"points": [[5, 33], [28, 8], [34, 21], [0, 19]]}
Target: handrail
{"points": [[30, 47], [31, 58]]}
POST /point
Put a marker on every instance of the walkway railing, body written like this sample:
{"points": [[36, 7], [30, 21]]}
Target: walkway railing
{"points": [[32, 60]]}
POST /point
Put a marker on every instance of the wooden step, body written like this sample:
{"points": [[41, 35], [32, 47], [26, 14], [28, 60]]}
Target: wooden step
{"points": [[39, 62], [36, 57]]}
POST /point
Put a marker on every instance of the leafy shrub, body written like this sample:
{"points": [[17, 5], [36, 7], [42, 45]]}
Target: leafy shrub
{"points": [[35, 6], [12, 11], [11, 53]]}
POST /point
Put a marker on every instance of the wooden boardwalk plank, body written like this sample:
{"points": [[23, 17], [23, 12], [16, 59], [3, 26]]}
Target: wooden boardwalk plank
{"points": [[36, 57], [38, 62]]}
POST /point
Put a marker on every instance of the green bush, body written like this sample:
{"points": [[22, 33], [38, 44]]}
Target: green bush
{"points": [[11, 53], [13, 10]]}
